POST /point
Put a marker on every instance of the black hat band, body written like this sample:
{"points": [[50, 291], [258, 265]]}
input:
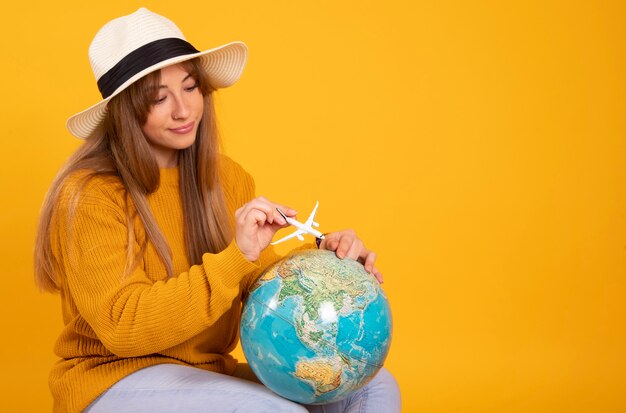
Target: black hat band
{"points": [[142, 58]]}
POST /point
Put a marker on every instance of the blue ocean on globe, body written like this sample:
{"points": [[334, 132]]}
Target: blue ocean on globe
{"points": [[315, 328]]}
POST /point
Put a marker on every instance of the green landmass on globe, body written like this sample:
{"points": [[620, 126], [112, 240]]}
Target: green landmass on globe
{"points": [[315, 327]]}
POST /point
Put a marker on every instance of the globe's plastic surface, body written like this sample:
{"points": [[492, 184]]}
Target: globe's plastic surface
{"points": [[315, 328]]}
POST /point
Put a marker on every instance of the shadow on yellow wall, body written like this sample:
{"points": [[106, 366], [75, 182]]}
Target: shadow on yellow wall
{"points": [[478, 147]]}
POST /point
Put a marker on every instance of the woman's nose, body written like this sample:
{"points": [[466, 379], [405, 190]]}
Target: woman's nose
{"points": [[181, 109]]}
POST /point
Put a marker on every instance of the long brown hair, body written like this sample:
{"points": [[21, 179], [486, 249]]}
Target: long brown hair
{"points": [[120, 149]]}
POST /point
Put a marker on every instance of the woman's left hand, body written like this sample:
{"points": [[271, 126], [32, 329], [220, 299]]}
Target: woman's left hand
{"points": [[346, 244]]}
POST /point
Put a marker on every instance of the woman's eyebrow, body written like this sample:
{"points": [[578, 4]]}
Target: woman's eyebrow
{"points": [[182, 81]]}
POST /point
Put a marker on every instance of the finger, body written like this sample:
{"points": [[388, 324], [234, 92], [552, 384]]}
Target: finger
{"points": [[280, 217], [370, 258], [263, 205], [253, 220], [243, 215], [378, 275], [277, 216], [329, 242], [370, 268], [290, 212], [255, 204], [356, 249], [345, 242]]}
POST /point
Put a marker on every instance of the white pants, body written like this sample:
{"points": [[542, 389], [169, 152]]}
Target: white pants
{"points": [[172, 388]]}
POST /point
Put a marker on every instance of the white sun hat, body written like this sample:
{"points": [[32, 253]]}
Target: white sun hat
{"points": [[130, 47]]}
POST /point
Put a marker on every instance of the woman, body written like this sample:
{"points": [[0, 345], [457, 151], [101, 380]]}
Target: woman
{"points": [[152, 238]]}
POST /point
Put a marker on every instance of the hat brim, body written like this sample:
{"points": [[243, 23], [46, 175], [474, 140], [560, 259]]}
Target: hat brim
{"points": [[224, 66]]}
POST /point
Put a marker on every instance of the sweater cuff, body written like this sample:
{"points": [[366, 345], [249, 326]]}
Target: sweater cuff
{"points": [[231, 265]]}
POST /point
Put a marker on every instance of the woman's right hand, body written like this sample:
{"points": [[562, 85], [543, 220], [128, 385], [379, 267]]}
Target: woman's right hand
{"points": [[256, 223]]}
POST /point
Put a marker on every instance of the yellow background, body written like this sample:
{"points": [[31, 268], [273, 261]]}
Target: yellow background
{"points": [[477, 146]]}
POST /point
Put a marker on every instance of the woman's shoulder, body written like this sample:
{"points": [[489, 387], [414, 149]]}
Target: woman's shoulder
{"points": [[236, 182], [232, 171], [89, 186]]}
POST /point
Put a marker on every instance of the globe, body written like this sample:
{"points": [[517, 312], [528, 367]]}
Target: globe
{"points": [[315, 328]]}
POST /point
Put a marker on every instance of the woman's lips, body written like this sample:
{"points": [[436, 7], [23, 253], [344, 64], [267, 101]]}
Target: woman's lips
{"points": [[183, 129]]}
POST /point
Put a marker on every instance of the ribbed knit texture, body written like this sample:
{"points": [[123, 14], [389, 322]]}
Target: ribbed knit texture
{"points": [[116, 325]]}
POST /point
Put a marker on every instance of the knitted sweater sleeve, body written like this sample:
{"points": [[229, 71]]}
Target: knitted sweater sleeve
{"points": [[134, 315]]}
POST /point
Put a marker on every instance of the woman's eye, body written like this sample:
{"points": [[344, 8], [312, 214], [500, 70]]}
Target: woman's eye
{"points": [[192, 88], [159, 100]]}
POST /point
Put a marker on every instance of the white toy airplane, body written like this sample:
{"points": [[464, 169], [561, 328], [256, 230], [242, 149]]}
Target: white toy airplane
{"points": [[306, 228]]}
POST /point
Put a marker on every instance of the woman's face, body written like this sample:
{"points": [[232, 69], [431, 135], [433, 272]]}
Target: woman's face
{"points": [[174, 116]]}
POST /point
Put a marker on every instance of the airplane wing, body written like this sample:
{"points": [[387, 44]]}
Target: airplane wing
{"points": [[309, 222], [298, 233]]}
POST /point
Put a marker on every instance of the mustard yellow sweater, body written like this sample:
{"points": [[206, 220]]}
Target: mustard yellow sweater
{"points": [[115, 325]]}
